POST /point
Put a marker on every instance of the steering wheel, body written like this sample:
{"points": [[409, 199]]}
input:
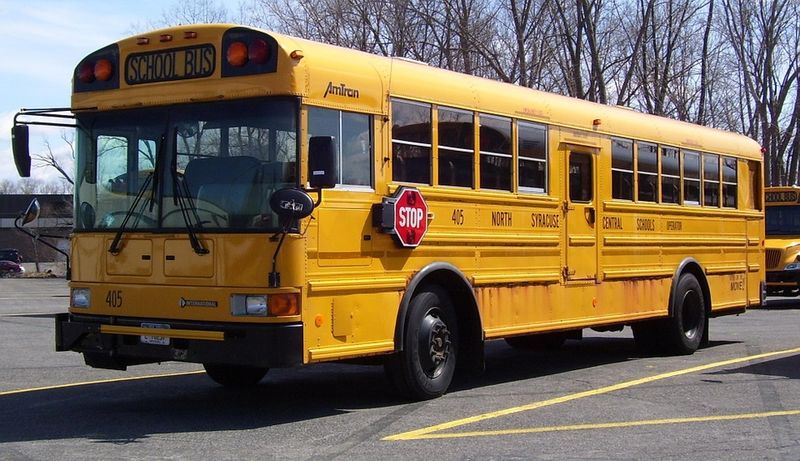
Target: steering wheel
{"points": [[219, 219], [115, 218]]}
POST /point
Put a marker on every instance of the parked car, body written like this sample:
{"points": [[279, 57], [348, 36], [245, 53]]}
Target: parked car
{"points": [[10, 268], [10, 254]]}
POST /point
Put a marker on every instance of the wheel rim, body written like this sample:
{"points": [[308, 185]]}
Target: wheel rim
{"points": [[691, 314], [434, 343]]}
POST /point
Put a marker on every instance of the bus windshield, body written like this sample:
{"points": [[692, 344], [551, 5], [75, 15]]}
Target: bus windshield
{"points": [[783, 220], [210, 166]]}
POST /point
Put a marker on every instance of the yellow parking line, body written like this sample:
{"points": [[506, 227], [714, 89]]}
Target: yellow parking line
{"points": [[101, 381], [427, 431], [614, 425]]}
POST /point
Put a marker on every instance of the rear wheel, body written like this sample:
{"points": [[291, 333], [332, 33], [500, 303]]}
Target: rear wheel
{"points": [[425, 367], [683, 331], [235, 375]]}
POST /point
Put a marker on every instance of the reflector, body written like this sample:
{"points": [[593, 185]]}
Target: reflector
{"points": [[237, 54], [258, 51]]}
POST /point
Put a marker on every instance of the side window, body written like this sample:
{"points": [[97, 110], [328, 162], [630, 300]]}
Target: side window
{"points": [[532, 151], [691, 178], [456, 147], [495, 138], [580, 178], [729, 182], [754, 197], [670, 175], [411, 142], [711, 180], [353, 141], [622, 169], [648, 171]]}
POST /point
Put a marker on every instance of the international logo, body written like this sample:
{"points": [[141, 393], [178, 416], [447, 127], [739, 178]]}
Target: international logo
{"points": [[197, 303]]}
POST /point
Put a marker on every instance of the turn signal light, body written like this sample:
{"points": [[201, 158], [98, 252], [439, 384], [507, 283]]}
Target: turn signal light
{"points": [[237, 54], [284, 304], [103, 70]]}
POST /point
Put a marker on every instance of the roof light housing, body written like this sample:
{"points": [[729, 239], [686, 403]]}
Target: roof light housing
{"points": [[98, 71], [248, 52]]}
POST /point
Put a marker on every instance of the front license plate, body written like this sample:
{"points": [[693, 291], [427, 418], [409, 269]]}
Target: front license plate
{"points": [[152, 339]]}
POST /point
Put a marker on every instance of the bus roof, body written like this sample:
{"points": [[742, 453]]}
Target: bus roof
{"points": [[349, 79]]}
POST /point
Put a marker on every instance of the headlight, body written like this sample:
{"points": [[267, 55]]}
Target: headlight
{"points": [[792, 267], [249, 305], [256, 305], [81, 297]]}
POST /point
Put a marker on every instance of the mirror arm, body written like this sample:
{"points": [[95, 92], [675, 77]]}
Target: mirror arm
{"points": [[37, 237], [275, 276]]}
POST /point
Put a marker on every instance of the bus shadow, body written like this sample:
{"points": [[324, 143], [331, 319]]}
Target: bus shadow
{"points": [[506, 364], [132, 411], [781, 304], [784, 367]]}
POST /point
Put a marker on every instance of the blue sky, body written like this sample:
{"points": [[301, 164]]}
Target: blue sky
{"points": [[41, 42]]}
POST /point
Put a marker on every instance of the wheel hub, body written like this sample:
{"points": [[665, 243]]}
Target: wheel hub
{"points": [[434, 344]]}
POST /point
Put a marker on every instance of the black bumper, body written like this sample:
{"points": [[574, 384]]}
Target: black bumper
{"points": [[783, 277], [264, 345]]}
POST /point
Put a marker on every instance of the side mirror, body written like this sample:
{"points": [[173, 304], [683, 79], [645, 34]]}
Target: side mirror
{"points": [[322, 168], [19, 144], [32, 213], [291, 203]]}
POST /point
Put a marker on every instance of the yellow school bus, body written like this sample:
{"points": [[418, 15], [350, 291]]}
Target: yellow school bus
{"points": [[783, 240], [248, 200]]}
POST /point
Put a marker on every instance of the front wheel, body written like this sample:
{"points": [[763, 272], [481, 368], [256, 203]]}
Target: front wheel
{"points": [[235, 375], [425, 367]]}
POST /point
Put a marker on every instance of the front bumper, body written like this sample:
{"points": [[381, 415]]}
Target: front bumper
{"points": [[115, 343], [783, 278]]}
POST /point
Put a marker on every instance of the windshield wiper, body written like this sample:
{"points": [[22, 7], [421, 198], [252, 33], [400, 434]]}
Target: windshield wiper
{"points": [[114, 249], [182, 197]]}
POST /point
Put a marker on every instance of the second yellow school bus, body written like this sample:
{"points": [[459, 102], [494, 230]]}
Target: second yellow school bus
{"points": [[783, 240], [248, 200]]}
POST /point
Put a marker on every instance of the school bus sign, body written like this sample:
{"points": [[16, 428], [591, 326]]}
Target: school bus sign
{"points": [[404, 215]]}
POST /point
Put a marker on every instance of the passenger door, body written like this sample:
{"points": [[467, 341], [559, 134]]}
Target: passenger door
{"points": [[580, 216]]}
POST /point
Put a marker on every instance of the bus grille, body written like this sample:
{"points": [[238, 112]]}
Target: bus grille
{"points": [[773, 258]]}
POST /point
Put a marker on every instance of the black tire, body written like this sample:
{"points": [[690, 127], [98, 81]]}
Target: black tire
{"points": [[683, 331], [540, 341], [425, 367], [235, 375]]}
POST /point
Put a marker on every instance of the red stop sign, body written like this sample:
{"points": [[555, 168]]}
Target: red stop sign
{"points": [[410, 217]]}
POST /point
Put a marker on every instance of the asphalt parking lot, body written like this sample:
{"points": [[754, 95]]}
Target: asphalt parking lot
{"points": [[599, 398]]}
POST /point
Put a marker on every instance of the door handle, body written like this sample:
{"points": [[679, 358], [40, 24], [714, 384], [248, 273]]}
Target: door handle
{"points": [[590, 215]]}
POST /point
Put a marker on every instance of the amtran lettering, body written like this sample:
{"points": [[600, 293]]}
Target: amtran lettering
{"points": [[341, 90]]}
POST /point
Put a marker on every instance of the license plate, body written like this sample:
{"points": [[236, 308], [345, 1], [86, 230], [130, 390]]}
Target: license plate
{"points": [[152, 339]]}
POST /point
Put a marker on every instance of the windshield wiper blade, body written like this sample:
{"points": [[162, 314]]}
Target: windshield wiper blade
{"points": [[182, 197], [114, 249]]}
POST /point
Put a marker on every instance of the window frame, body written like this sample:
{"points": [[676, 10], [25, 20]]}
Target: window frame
{"points": [[394, 140], [453, 149], [698, 179], [340, 185], [632, 172], [520, 158], [509, 155]]}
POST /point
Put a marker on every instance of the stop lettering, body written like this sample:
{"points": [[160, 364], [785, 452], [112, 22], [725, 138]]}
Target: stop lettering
{"points": [[410, 217]]}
